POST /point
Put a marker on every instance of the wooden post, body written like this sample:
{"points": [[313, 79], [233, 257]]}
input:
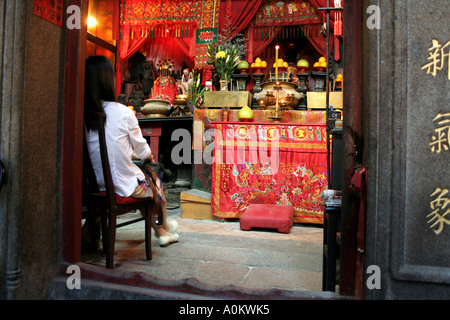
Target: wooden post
{"points": [[72, 144], [352, 118]]}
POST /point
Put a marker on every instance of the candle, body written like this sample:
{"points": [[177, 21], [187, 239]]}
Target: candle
{"points": [[276, 99], [276, 62]]}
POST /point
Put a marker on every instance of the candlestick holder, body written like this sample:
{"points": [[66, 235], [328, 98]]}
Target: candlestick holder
{"points": [[302, 88], [258, 77], [240, 82], [320, 78], [256, 88], [277, 87]]}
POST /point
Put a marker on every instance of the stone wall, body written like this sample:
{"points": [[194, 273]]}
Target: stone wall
{"points": [[406, 173], [30, 148]]}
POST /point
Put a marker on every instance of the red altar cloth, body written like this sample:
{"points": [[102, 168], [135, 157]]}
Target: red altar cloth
{"points": [[268, 163]]}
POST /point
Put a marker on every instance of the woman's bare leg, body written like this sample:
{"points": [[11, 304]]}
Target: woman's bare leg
{"points": [[161, 230]]}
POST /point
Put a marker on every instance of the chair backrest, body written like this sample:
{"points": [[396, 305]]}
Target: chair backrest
{"points": [[89, 180], [90, 174]]}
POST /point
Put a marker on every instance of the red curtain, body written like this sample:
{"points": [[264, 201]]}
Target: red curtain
{"points": [[323, 4], [127, 47], [320, 43], [257, 46], [239, 12], [314, 37], [242, 12], [178, 49]]}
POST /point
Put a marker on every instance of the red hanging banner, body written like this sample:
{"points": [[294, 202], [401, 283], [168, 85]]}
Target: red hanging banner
{"points": [[272, 13], [50, 10], [155, 12]]}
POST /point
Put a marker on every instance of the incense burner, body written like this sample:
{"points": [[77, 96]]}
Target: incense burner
{"points": [[156, 108], [288, 98]]}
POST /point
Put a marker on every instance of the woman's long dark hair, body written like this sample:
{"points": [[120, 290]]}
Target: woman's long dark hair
{"points": [[99, 85]]}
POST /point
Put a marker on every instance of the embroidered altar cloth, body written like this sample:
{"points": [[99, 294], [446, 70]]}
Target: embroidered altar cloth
{"points": [[268, 163]]}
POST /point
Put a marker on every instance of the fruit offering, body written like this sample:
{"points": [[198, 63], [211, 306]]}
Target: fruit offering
{"points": [[258, 63], [280, 64], [321, 64], [242, 65], [303, 63], [245, 114], [132, 108], [302, 66]]}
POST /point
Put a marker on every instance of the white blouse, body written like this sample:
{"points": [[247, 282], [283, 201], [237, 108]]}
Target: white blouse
{"points": [[123, 136]]}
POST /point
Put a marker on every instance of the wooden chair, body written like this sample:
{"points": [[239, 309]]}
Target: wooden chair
{"points": [[2, 173], [109, 205]]}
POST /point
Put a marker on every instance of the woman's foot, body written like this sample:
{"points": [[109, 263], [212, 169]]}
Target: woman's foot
{"points": [[172, 226], [164, 241], [164, 237]]}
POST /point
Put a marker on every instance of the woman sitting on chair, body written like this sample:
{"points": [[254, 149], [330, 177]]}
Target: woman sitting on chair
{"points": [[123, 137]]}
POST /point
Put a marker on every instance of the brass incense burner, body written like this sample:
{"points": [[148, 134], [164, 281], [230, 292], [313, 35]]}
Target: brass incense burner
{"points": [[156, 108], [288, 96], [277, 87]]}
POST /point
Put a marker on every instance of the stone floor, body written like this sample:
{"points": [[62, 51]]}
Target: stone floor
{"points": [[220, 254]]}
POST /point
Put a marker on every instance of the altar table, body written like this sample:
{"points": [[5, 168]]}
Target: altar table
{"points": [[269, 163], [203, 172], [152, 128]]}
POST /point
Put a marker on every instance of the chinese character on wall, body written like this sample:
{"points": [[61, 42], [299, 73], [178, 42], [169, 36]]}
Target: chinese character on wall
{"points": [[439, 54], [441, 208], [441, 141]]}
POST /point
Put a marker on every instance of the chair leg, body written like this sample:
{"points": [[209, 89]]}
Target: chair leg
{"points": [[148, 233], [111, 241], [90, 232], [104, 220]]}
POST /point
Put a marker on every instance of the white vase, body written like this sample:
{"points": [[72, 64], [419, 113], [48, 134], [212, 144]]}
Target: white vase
{"points": [[223, 85]]}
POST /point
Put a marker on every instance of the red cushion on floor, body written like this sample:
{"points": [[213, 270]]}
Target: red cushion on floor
{"points": [[270, 216]]}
